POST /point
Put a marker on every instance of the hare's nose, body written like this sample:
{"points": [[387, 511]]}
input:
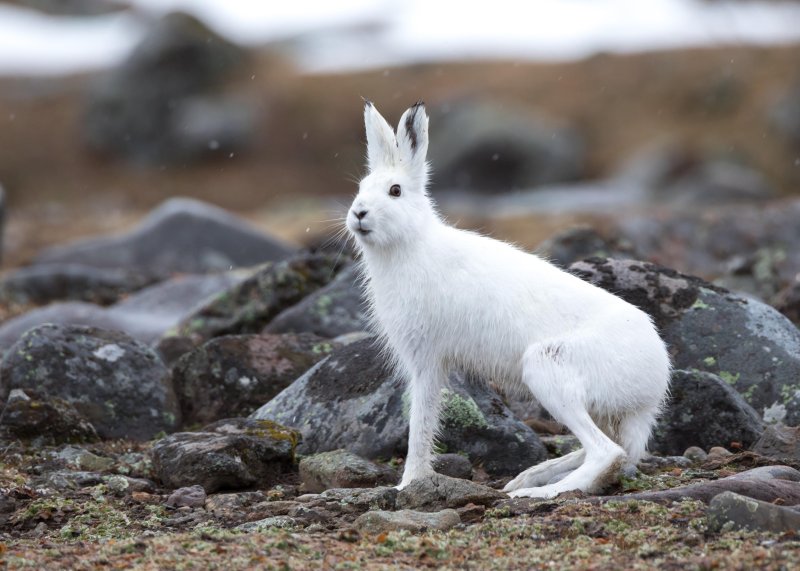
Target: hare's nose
{"points": [[360, 214]]}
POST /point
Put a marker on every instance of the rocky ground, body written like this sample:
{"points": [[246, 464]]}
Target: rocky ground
{"points": [[245, 417]]}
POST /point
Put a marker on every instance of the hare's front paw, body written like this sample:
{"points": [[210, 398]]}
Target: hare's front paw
{"points": [[411, 475]]}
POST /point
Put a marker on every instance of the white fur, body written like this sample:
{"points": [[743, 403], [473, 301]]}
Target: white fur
{"points": [[445, 299]]}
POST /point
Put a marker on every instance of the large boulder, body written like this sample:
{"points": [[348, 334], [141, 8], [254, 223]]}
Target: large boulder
{"points": [[333, 310], [2, 219], [144, 110], [581, 242], [145, 315], [761, 244], [670, 174], [249, 305], [787, 301], [785, 115], [780, 442], [704, 411], [234, 375], [181, 235], [28, 416], [351, 400], [746, 343], [115, 382], [478, 146], [73, 7], [227, 455], [43, 284]]}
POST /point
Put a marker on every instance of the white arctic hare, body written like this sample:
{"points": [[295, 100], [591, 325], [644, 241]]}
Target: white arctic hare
{"points": [[448, 299]]}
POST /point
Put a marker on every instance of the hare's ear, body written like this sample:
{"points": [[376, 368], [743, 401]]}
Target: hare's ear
{"points": [[412, 138], [381, 142]]}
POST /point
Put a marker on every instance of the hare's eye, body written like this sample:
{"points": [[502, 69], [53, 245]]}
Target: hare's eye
{"points": [[394, 190]]}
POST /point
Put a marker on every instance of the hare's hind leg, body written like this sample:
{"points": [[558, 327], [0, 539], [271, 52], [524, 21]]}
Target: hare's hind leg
{"points": [[544, 472], [634, 432], [561, 388]]}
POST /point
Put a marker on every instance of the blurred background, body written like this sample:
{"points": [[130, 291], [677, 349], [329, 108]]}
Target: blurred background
{"points": [[667, 129]]}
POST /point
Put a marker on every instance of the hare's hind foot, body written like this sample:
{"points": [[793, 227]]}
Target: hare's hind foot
{"points": [[544, 472], [593, 476]]}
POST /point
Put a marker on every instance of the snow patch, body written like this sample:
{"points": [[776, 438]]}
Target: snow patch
{"points": [[360, 34]]}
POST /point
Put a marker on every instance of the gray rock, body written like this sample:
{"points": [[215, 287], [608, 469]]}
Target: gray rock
{"points": [[333, 310], [672, 175], [363, 499], [380, 521], [116, 383], [231, 505], [779, 442], [695, 454], [704, 411], [767, 483], [212, 125], [234, 375], [351, 401], [8, 505], [2, 219], [717, 453], [227, 455], [249, 305], [729, 511], [122, 485], [63, 480], [43, 284], [81, 459], [581, 242], [490, 148], [145, 315], [279, 521], [190, 496], [784, 115], [438, 492], [748, 344], [73, 7], [181, 235], [453, 465], [138, 110], [28, 416], [762, 243], [525, 408], [787, 301], [342, 469]]}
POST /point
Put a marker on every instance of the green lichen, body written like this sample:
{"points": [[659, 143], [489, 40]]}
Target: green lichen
{"points": [[748, 394], [322, 348], [729, 377], [699, 304], [710, 361], [168, 418], [789, 393], [275, 431], [323, 304], [461, 412]]}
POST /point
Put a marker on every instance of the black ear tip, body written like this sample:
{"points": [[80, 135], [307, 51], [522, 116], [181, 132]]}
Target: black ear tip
{"points": [[367, 102], [419, 103]]}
